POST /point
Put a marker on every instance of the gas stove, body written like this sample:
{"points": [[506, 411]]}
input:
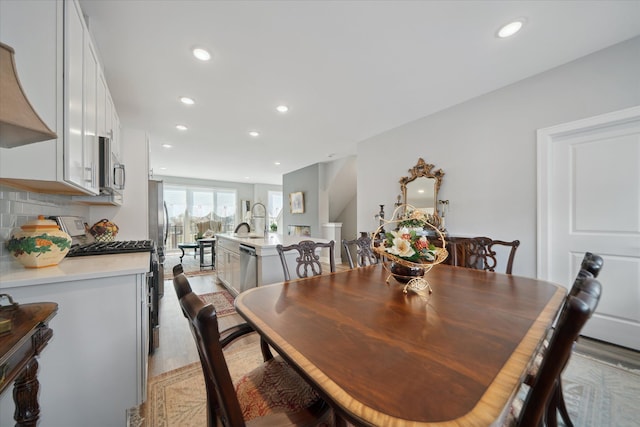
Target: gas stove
{"points": [[115, 247]]}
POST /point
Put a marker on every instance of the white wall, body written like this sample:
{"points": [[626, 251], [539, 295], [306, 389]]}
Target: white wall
{"points": [[132, 217], [308, 181], [487, 147]]}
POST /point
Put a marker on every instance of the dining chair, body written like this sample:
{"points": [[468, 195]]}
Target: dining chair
{"points": [[540, 403], [481, 253], [272, 394], [590, 267], [307, 261], [243, 227], [364, 254]]}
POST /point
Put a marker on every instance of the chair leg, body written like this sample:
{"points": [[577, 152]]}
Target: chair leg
{"points": [[266, 352], [551, 411], [560, 403]]}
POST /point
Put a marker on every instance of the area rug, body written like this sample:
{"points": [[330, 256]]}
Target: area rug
{"points": [[178, 398], [597, 394], [601, 394], [222, 301]]}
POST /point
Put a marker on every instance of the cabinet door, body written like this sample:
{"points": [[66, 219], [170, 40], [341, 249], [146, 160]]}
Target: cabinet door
{"points": [[34, 31], [73, 51], [101, 107], [108, 116], [234, 266], [90, 118], [117, 141]]}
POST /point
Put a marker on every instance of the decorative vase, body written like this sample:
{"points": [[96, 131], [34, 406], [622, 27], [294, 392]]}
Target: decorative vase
{"points": [[403, 273], [39, 243]]}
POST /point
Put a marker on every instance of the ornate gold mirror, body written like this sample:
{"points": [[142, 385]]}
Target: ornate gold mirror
{"points": [[421, 188]]}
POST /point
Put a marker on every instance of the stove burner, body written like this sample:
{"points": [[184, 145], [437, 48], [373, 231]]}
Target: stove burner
{"points": [[108, 248]]}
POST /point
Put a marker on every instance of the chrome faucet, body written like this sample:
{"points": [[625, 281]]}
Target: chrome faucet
{"points": [[253, 217]]}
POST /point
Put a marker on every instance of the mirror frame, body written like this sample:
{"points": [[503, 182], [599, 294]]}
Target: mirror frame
{"points": [[423, 169]]}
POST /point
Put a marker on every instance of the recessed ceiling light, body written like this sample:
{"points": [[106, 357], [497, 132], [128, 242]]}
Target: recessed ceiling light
{"points": [[282, 108], [181, 127], [163, 169], [510, 29], [420, 191], [187, 100], [246, 177], [201, 54], [254, 133], [167, 145], [276, 163]]}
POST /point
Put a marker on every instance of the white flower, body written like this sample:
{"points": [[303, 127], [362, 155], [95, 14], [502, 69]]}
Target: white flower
{"points": [[401, 247]]}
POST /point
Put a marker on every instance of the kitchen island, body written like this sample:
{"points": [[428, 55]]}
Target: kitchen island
{"points": [[95, 366], [244, 261]]}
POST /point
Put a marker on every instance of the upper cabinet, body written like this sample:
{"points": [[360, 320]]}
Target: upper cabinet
{"points": [[58, 67]]}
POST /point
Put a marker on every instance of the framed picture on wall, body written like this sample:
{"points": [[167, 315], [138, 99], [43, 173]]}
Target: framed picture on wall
{"points": [[296, 202]]}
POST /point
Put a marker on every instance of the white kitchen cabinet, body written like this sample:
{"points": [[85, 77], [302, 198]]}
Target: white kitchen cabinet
{"points": [[116, 147], [95, 366], [228, 264], [90, 117], [101, 105], [58, 69]]}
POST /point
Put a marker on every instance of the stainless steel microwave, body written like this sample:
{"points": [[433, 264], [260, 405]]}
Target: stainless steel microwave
{"points": [[112, 173]]}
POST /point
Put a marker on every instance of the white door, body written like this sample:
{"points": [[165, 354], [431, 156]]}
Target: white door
{"points": [[589, 201]]}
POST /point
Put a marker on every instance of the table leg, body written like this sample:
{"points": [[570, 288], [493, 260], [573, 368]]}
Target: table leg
{"points": [[201, 254], [25, 396]]}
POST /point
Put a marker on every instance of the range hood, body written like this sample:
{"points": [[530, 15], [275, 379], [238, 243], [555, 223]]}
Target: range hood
{"points": [[19, 123]]}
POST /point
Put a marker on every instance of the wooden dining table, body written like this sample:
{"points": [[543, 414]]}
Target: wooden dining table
{"points": [[378, 356]]}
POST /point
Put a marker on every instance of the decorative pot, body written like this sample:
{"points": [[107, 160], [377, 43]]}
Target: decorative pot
{"points": [[39, 243], [403, 273]]}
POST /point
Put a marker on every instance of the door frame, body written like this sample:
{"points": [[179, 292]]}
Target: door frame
{"points": [[545, 140]]}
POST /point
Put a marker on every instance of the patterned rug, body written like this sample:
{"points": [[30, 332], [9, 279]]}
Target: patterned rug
{"points": [[597, 394], [178, 398], [190, 264], [222, 301], [600, 394]]}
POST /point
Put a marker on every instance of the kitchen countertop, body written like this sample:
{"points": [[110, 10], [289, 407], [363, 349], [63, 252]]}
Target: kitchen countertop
{"points": [[260, 243], [13, 274]]}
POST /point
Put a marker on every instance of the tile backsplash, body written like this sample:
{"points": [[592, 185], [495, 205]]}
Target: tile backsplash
{"points": [[18, 207]]}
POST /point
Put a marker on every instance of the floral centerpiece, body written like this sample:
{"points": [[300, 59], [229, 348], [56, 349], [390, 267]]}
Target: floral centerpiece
{"points": [[409, 241], [409, 254]]}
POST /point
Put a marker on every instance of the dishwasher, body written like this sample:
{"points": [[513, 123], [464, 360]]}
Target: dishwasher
{"points": [[248, 268]]}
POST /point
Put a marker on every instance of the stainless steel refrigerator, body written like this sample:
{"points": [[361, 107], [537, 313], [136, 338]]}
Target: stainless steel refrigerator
{"points": [[158, 225]]}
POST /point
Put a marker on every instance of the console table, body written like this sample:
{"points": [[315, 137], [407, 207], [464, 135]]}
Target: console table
{"points": [[18, 350]]}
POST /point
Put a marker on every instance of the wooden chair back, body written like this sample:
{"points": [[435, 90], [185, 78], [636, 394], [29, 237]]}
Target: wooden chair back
{"points": [[307, 261], [364, 254], [178, 269], [592, 263], [480, 253], [203, 322], [577, 310], [590, 268], [180, 282]]}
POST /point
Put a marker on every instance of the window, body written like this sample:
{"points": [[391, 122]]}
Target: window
{"points": [[275, 206], [194, 210]]}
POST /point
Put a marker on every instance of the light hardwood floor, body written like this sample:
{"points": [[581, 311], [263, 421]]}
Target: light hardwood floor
{"points": [[177, 347]]}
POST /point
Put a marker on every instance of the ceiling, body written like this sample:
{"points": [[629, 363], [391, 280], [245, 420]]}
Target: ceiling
{"points": [[348, 70]]}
